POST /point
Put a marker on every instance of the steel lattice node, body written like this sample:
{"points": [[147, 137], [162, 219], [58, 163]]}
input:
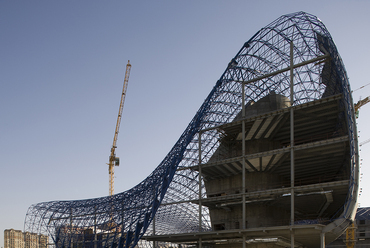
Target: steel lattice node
{"points": [[270, 159]]}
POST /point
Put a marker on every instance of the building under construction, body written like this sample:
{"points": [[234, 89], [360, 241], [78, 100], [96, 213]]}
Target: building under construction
{"points": [[269, 160]]}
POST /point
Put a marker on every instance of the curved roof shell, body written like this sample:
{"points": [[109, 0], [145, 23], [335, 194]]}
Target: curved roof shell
{"points": [[170, 192]]}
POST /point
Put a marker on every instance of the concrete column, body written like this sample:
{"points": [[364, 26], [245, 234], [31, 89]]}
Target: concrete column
{"points": [[292, 241], [322, 240]]}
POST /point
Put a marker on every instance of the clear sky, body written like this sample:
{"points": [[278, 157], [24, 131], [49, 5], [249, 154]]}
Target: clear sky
{"points": [[62, 65]]}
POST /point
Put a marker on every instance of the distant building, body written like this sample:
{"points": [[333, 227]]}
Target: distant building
{"points": [[13, 239], [18, 239]]}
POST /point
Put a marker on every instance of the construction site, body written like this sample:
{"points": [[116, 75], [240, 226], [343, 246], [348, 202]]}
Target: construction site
{"points": [[270, 159]]}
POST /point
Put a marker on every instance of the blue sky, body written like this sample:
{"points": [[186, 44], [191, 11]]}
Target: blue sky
{"points": [[62, 67]]}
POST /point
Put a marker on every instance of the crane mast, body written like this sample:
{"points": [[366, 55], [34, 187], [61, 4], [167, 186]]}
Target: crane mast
{"points": [[113, 160]]}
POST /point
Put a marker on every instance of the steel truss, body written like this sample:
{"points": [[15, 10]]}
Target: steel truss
{"points": [[168, 200]]}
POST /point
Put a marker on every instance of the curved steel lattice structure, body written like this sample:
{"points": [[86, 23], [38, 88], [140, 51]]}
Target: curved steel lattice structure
{"points": [[170, 197]]}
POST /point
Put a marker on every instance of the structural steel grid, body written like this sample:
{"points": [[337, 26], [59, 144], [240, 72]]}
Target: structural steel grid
{"points": [[295, 57]]}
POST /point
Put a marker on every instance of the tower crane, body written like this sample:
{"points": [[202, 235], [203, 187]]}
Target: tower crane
{"points": [[351, 236], [364, 142], [113, 160], [361, 103]]}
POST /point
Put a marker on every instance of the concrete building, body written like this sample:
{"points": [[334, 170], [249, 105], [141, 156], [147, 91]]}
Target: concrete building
{"points": [[13, 238], [18, 239]]}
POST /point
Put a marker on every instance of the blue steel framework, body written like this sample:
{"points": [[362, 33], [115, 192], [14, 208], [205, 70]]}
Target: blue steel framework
{"points": [[165, 196]]}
